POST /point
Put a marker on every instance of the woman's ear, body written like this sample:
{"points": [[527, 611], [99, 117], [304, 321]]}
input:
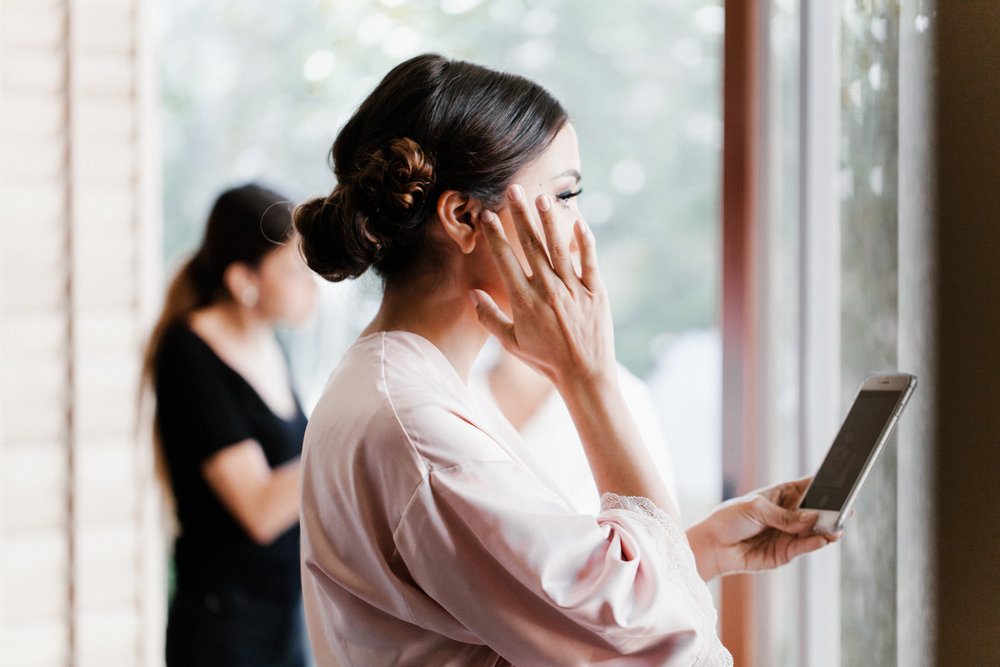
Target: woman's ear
{"points": [[459, 216], [241, 282]]}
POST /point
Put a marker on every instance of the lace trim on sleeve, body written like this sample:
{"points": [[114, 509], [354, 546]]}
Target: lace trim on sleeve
{"points": [[679, 559]]}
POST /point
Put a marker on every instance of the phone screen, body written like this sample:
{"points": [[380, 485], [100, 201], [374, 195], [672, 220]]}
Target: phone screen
{"points": [[857, 438]]}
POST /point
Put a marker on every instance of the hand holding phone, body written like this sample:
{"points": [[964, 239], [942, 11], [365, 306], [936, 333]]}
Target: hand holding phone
{"points": [[861, 438]]}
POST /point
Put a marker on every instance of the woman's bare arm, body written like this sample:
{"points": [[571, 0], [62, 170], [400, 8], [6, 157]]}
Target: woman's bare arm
{"points": [[561, 325], [264, 500]]}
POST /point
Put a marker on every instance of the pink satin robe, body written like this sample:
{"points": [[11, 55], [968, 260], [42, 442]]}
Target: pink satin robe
{"points": [[429, 537]]}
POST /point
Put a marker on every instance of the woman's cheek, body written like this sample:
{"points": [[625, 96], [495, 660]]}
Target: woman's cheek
{"points": [[295, 302]]}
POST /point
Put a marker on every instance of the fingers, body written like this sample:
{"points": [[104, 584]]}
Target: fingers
{"points": [[492, 318], [589, 276], [534, 250], [789, 521], [797, 489], [786, 494], [804, 545], [796, 486], [559, 253], [510, 269]]}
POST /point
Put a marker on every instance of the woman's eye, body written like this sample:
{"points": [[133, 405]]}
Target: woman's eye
{"points": [[569, 194]]}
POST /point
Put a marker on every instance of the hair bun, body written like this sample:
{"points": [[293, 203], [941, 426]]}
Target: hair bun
{"points": [[369, 214], [395, 182], [335, 242]]}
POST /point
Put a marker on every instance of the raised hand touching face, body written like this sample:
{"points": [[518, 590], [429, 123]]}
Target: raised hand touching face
{"points": [[560, 320]]}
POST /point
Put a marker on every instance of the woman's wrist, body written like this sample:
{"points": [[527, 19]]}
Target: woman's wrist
{"points": [[587, 387], [699, 539]]}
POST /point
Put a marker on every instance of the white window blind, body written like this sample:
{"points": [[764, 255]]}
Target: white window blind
{"points": [[81, 551]]}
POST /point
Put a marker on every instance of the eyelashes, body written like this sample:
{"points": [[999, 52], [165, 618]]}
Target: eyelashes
{"points": [[569, 194]]}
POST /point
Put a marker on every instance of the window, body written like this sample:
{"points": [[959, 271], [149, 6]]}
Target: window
{"points": [[827, 313], [254, 93]]}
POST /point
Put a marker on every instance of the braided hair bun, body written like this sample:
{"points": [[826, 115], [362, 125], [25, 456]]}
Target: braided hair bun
{"points": [[370, 214], [431, 125]]}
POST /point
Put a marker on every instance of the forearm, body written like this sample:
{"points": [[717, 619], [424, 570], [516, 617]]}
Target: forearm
{"points": [[264, 500], [277, 504], [619, 460]]}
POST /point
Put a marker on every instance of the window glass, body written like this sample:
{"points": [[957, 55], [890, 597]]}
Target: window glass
{"points": [[863, 251], [869, 38], [780, 316], [258, 90]]}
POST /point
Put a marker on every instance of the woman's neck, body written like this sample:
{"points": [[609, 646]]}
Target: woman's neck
{"points": [[230, 321], [445, 317], [247, 344]]}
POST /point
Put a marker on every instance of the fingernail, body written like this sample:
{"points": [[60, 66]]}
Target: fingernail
{"points": [[515, 193], [543, 203], [808, 517], [474, 297]]}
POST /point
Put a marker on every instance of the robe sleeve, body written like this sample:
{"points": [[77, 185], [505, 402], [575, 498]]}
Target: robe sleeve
{"points": [[542, 585]]}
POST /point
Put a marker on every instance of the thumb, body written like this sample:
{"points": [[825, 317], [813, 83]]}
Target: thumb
{"points": [[492, 318], [803, 545], [788, 521]]}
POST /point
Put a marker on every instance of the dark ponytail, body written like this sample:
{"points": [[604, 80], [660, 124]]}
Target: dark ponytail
{"points": [[431, 125], [245, 224]]}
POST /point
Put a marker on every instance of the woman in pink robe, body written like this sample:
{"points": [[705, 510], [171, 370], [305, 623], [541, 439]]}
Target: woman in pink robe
{"points": [[430, 536]]}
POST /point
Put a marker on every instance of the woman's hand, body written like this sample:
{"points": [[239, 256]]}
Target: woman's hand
{"points": [[758, 531], [560, 320], [560, 324]]}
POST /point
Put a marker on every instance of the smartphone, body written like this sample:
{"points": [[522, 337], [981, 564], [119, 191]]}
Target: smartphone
{"points": [[868, 424]]}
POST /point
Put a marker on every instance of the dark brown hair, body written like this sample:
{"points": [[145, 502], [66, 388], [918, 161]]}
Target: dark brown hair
{"points": [[245, 224], [431, 125]]}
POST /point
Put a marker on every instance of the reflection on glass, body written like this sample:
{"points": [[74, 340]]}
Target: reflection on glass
{"points": [[869, 37]]}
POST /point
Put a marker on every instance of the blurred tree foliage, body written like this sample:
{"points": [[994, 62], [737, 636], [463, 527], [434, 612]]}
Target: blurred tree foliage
{"points": [[257, 90]]}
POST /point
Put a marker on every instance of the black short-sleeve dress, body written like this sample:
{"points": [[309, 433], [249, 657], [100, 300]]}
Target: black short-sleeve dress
{"points": [[236, 602]]}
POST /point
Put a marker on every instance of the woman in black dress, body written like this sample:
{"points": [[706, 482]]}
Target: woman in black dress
{"points": [[229, 434]]}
